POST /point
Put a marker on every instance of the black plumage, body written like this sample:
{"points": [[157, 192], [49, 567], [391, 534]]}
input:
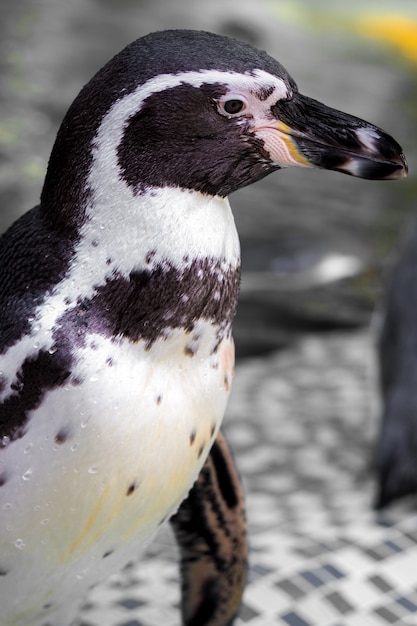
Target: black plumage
{"points": [[397, 446]]}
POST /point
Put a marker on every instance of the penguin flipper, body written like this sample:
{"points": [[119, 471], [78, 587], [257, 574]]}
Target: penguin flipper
{"points": [[210, 528]]}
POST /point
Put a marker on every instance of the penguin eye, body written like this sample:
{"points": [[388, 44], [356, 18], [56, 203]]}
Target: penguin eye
{"points": [[232, 106]]}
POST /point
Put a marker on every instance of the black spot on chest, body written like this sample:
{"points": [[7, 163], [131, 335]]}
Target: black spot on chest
{"points": [[149, 302]]}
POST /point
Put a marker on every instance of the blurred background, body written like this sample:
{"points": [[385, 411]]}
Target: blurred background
{"points": [[318, 248]]}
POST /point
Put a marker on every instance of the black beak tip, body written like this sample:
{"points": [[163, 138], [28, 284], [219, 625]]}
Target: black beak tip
{"points": [[386, 161], [401, 170], [383, 159], [403, 165], [384, 170]]}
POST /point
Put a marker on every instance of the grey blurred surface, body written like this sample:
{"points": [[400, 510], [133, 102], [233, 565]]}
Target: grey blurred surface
{"points": [[302, 420]]}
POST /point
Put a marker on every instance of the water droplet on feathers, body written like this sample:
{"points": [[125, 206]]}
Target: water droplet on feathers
{"points": [[26, 476]]}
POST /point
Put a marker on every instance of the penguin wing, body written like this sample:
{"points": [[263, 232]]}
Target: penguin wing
{"points": [[33, 259]]}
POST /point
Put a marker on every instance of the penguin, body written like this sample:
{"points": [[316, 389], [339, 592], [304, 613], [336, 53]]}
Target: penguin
{"points": [[118, 293], [396, 469]]}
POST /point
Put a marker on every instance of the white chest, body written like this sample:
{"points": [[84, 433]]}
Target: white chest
{"points": [[104, 463], [143, 325]]}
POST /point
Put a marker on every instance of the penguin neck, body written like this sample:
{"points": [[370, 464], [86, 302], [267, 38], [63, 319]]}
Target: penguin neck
{"points": [[163, 226], [164, 260], [160, 229]]}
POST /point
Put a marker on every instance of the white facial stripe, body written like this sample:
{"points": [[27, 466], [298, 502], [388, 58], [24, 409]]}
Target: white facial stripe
{"points": [[199, 225], [114, 122], [173, 223], [112, 127]]}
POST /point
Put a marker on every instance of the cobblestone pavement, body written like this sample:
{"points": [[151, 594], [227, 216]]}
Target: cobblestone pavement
{"points": [[302, 422]]}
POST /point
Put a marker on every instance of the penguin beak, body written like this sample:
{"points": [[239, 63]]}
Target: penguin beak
{"points": [[310, 134]]}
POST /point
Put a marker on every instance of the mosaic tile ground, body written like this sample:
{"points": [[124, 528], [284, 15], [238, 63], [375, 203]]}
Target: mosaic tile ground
{"points": [[302, 424]]}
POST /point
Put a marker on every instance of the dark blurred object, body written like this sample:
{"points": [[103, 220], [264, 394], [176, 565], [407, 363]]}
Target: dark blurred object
{"points": [[397, 452]]}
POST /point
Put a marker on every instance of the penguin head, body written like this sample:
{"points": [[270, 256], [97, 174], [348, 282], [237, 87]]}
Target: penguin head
{"points": [[203, 112]]}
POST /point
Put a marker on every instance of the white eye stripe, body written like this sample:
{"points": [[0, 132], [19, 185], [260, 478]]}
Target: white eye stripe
{"points": [[112, 127], [130, 104], [110, 197]]}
